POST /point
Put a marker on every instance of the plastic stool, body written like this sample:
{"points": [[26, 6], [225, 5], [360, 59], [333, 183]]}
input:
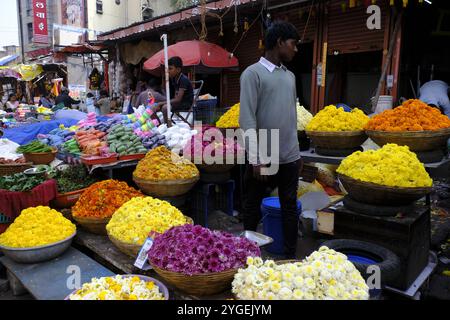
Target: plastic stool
{"points": [[206, 191]]}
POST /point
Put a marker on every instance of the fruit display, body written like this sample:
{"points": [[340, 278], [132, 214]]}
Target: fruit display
{"points": [[304, 117], [177, 136], [36, 227], [332, 119], [231, 118], [90, 142], [118, 288], [20, 182], [211, 142], [392, 165], [34, 147], [324, 275], [123, 141], [161, 164], [138, 218], [73, 178], [194, 250], [102, 199], [412, 115]]}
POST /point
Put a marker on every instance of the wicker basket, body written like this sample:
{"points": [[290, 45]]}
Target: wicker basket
{"points": [[96, 226], [198, 285], [133, 250], [67, 200], [41, 158], [11, 169], [170, 188], [375, 194], [337, 140], [417, 141]]}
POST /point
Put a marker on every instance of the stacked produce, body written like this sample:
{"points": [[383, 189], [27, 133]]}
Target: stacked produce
{"points": [[90, 121], [413, 115], [34, 147], [161, 164], [118, 288], [123, 141], [139, 217], [142, 123], [231, 118], [36, 227], [20, 160], [106, 126], [71, 146], [72, 179], [90, 142], [154, 140], [102, 199], [304, 117], [333, 119], [20, 182], [56, 137], [324, 275], [216, 144], [392, 166], [193, 250], [177, 136]]}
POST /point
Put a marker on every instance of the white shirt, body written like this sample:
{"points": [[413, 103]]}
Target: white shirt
{"points": [[269, 65], [436, 93]]}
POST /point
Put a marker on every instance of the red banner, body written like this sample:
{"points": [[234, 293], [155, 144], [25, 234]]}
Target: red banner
{"points": [[40, 21]]}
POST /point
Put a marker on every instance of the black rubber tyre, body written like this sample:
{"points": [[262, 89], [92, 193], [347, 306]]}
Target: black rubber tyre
{"points": [[387, 261], [336, 152], [371, 210]]}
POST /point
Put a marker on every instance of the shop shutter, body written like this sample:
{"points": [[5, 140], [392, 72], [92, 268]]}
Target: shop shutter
{"points": [[348, 31]]}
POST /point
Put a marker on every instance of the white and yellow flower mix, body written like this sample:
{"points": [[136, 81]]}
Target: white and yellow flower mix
{"points": [[304, 117], [118, 288], [324, 275]]}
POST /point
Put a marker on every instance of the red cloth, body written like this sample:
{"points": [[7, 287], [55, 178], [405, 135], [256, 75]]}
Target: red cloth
{"points": [[12, 203], [195, 53]]}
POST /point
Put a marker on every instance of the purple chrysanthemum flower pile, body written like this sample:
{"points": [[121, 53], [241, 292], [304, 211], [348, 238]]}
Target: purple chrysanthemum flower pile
{"points": [[193, 250]]}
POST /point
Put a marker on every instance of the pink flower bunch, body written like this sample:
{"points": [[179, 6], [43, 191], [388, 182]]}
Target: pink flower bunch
{"points": [[193, 250], [212, 142]]}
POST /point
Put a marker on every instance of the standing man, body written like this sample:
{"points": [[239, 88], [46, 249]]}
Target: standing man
{"points": [[181, 90], [268, 101]]}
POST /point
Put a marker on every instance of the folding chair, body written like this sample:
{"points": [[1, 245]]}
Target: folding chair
{"points": [[198, 86]]}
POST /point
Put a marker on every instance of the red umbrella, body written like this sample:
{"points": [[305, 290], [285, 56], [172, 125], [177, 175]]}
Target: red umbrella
{"points": [[195, 53]]}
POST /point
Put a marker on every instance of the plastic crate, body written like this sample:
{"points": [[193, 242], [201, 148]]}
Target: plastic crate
{"points": [[207, 111]]}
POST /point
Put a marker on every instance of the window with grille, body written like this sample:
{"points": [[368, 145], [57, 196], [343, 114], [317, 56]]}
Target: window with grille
{"points": [[99, 6]]}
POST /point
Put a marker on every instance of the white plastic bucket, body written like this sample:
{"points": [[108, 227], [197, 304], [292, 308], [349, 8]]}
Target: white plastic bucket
{"points": [[384, 103]]}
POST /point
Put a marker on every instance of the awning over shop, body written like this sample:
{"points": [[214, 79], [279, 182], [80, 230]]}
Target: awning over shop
{"points": [[195, 53], [83, 48]]}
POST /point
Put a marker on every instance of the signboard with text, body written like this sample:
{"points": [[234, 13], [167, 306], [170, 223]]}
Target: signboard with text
{"points": [[40, 21]]}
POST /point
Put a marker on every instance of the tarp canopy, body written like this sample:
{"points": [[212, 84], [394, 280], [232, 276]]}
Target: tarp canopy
{"points": [[83, 48], [8, 59], [194, 53]]}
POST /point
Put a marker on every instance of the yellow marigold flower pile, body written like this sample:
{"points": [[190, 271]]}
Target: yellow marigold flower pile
{"points": [[392, 166], [37, 227], [118, 288], [139, 217], [231, 118], [161, 164], [333, 119]]}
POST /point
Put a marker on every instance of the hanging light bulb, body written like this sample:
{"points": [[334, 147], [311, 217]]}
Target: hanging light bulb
{"points": [[392, 2], [246, 25], [352, 3], [261, 45], [374, 1], [405, 3], [344, 6]]}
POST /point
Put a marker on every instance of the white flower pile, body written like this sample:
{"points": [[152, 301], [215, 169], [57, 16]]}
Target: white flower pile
{"points": [[324, 275], [177, 136], [304, 117]]}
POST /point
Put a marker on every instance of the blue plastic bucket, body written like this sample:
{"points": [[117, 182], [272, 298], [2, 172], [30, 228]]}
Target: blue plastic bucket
{"points": [[273, 223]]}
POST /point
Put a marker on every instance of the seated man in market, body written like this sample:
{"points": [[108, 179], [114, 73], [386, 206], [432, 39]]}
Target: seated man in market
{"points": [[152, 91], [65, 99], [181, 90]]}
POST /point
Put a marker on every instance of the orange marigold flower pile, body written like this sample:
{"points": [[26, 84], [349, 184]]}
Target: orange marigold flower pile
{"points": [[413, 115], [102, 199]]}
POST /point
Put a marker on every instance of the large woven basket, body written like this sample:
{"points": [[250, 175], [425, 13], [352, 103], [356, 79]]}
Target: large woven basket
{"points": [[337, 140], [375, 194], [199, 285], [11, 169], [41, 158], [96, 226], [417, 141], [133, 250], [67, 200], [170, 188]]}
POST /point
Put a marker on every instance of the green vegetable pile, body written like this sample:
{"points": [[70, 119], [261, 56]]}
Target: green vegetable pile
{"points": [[34, 147], [123, 141], [20, 182], [72, 179], [72, 147]]}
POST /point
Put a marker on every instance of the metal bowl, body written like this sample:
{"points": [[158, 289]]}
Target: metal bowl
{"points": [[38, 254], [37, 171], [162, 288]]}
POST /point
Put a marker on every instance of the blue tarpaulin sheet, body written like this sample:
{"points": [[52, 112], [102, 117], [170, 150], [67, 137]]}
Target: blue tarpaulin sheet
{"points": [[28, 133]]}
